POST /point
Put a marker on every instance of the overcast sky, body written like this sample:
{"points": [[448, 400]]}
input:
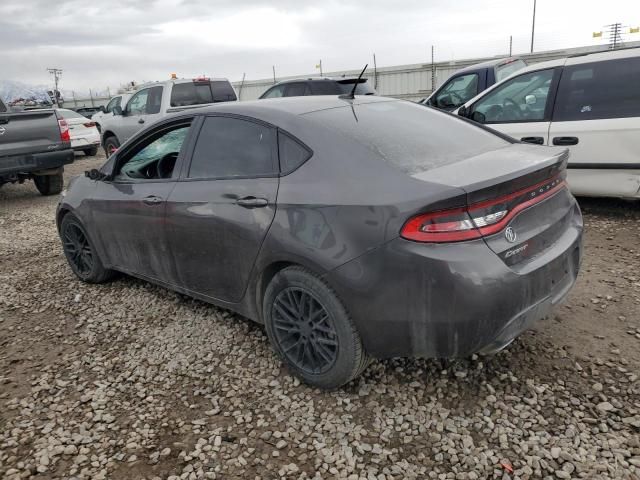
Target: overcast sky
{"points": [[109, 42]]}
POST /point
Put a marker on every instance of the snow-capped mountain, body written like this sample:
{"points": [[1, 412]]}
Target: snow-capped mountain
{"points": [[11, 90]]}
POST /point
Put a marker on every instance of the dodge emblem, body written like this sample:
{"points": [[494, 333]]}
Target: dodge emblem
{"points": [[510, 235]]}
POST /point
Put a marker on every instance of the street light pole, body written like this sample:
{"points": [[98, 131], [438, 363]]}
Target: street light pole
{"points": [[533, 24]]}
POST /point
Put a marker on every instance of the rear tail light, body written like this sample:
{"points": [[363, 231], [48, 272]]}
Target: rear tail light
{"points": [[64, 131], [479, 219], [89, 124]]}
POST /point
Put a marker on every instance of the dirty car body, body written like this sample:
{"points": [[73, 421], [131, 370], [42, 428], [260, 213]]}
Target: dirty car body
{"points": [[441, 238]]}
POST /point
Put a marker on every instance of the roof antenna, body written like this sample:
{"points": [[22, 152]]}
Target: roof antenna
{"points": [[352, 95]]}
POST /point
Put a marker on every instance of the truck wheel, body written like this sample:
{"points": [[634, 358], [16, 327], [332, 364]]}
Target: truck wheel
{"points": [[111, 144], [311, 330], [90, 152], [49, 184], [80, 252]]}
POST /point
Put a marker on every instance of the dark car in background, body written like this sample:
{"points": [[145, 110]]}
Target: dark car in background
{"points": [[34, 145], [319, 86], [465, 84], [352, 228]]}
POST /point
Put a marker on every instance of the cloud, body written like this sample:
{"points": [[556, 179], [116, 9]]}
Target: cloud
{"points": [[100, 44]]}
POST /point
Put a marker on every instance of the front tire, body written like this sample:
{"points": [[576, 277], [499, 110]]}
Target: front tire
{"points": [[80, 252], [311, 330], [49, 184]]}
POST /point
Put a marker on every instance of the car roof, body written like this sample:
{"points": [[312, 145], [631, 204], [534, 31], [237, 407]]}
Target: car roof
{"points": [[488, 63]]}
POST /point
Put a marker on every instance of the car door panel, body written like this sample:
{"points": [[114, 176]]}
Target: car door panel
{"points": [[597, 162], [215, 239]]}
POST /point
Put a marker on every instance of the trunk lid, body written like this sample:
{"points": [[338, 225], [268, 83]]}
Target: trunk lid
{"points": [[523, 187], [29, 132]]}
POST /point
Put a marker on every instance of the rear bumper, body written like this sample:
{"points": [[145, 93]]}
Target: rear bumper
{"points": [[34, 162], [451, 300], [85, 142]]}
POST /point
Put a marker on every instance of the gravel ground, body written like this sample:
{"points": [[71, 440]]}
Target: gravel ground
{"points": [[128, 380]]}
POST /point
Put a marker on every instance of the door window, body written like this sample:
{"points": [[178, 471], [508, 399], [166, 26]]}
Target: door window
{"points": [[154, 100], [521, 99], [115, 102], [458, 91], [274, 92], [231, 147], [292, 153], [155, 157], [138, 103], [609, 89], [296, 89]]}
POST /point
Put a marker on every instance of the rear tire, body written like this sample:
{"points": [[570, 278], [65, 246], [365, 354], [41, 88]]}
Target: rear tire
{"points": [[49, 184], [81, 253], [91, 152], [311, 330], [111, 144]]}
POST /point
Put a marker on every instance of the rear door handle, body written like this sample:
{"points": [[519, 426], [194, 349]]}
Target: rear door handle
{"points": [[536, 140], [252, 202], [151, 200], [565, 140], [141, 120]]}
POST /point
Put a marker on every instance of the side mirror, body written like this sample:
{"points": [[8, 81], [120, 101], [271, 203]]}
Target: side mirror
{"points": [[102, 109], [478, 117], [95, 174], [117, 110], [530, 99], [462, 111]]}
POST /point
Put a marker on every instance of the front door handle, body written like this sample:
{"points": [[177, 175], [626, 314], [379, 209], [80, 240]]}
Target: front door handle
{"points": [[536, 140], [141, 120], [151, 200], [252, 202], [565, 140]]}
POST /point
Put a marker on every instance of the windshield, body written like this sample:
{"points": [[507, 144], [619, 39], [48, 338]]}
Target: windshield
{"points": [[506, 69]]}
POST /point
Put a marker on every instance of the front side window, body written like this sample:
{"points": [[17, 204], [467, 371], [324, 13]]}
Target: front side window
{"points": [[231, 147], [458, 91], [138, 103], [274, 92], [154, 158], [609, 89], [521, 99], [114, 102]]}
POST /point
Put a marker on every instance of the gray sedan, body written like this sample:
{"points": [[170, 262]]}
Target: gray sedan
{"points": [[351, 227]]}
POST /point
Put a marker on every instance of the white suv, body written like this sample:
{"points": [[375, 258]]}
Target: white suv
{"points": [[590, 103]]}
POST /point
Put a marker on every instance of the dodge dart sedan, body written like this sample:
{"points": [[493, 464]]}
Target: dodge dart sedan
{"points": [[353, 228]]}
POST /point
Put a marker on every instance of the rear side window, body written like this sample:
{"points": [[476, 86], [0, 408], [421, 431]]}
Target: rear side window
{"points": [[506, 69], [321, 87], [609, 89], [296, 89], [231, 147], [363, 88], [409, 136], [198, 93], [292, 153], [154, 100]]}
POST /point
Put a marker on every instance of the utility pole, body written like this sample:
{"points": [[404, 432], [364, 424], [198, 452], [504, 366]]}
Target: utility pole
{"points": [[510, 44], [56, 72], [320, 66], [274, 74], [375, 73], [433, 70], [533, 24], [240, 89]]}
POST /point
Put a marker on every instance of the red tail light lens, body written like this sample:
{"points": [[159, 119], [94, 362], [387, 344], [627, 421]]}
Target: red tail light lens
{"points": [[89, 124], [480, 219], [64, 131]]}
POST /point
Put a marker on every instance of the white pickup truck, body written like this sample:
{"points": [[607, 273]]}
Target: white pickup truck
{"points": [[155, 100]]}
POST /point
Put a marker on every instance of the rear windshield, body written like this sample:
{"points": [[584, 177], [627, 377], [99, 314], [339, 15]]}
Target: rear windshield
{"points": [[506, 69], [198, 93], [363, 88], [2, 107], [409, 136]]}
